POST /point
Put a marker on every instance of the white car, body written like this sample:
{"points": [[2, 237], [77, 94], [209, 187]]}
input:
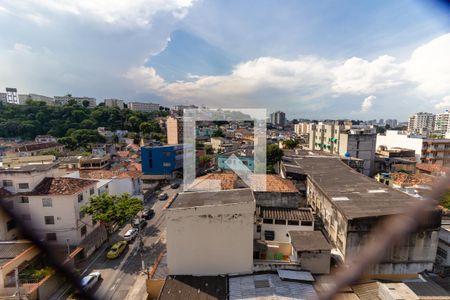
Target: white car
{"points": [[130, 234], [90, 280]]}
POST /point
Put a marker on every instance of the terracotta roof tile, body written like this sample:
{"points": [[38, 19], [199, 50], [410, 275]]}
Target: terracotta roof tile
{"points": [[109, 174], [433, 168], [284, 213], [37, 146], [60, 186], [404, 179]]}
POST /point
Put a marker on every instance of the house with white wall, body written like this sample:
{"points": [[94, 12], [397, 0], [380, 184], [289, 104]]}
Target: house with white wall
{"points": [[53, 209], [210, 233], [26, 177]]}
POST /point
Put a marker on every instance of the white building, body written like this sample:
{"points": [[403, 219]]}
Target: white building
{"points": [[421, 122], [41, 98], [62, 100], [12, 97], [114, 103], [26, 178], [394, 138], [52, 209], [441, 122], [143, 106], [302, 128], [210, 233]]}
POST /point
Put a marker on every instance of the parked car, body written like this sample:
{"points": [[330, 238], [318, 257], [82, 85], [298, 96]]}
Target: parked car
{"points": [[116, 250], [139, 223], [174, 185], [163, 196], [88, 281], [148, 213], [131, 234]]}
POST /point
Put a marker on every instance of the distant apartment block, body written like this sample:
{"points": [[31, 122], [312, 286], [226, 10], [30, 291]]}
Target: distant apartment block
{"points": [[346, 141], [441, 124], [143, 106], [278, 118], [174, 127], [114, 103], [41, 98], [432, 151], [392, 123], [62, 100], [12, 97], [3, 98], [302, 128], [421, 122]]}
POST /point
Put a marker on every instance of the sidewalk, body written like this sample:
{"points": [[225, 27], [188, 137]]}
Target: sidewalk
{"points": [[139, 289]]}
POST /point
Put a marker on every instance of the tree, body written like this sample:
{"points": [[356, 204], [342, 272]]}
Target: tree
{"points": [[109, 210], [209, 149], [85, 103], [204, 160], [274, 155], [218, 133], [290, 144]]}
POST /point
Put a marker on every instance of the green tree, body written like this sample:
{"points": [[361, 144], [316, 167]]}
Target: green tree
{"points": [[218, 133], [204, 160], [274, 155], [109, 210], [209, 149], [290, 144]]}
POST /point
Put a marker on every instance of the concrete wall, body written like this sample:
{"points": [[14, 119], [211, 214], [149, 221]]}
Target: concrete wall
{"points": [[6, 235], [281, 231], [27, 255], [360, 146], [317, 262], [278, 199], [32, 178], [210, 240]]}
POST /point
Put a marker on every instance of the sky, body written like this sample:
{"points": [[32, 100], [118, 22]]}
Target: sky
{"points": [[312, 59]]}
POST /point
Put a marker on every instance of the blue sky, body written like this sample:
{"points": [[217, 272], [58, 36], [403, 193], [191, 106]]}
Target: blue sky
{"points": [[312, 59]]}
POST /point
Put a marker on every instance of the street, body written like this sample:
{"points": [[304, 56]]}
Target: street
{"points": [[119, 275]]}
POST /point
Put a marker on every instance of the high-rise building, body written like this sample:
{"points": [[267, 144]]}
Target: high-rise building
{"points": [[12, 97], [441, 124], [391, 122], [278, 118], [174, 127], [143, 106], [421, 122], [381, 122], [114, 103]]}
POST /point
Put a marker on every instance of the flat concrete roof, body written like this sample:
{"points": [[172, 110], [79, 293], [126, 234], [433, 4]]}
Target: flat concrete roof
{"points": [[194, 199], [354, 194], [30, 168]]}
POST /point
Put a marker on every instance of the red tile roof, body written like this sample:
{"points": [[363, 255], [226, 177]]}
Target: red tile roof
{"points": [[432, 168], [61, 186], [123, 154], [109, 174], [37, 146], [405, 180]]}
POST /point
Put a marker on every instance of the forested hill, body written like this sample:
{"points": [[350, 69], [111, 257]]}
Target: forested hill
{"points": [[27, 121]]}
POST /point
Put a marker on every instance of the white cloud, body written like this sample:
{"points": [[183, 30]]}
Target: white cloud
{"points": [[125, 13], [367, 104], [444, 103], [145, 78], [429, 67]]}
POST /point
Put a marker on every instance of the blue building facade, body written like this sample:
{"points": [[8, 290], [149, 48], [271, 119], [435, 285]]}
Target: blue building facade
{"points": [[246, 160], [161, 161]]}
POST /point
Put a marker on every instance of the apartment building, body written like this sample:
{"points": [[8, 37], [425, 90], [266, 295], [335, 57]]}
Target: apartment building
{"points": [[441, 124], [346, 141], [302, 128], [278, 118], [3, 98], [210, 233], [174, 127], [114, 103], [12, 96], [42, 98], [350, 205], [8, 228], [26, 177], [431, 151], [161, 162], [143, 106], [421, 122], [62, 100], [52, 209]]}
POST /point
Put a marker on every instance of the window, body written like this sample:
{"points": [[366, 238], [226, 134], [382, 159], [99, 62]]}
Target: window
{"points": [[91, 191], [166, 164], [307, 223], [269, 235], [23, 186], [81, 215], [258, 228], [50, 236], [24, 199], [49, 220], [10, 225], [268, 221], [280, 222], [293, 222], [26, 217], [80, 197], [441, 252], [7, 183], [83, 230], [47, 202]]}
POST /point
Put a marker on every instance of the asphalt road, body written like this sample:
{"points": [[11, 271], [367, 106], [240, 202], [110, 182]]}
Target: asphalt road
{"points": [[119, 275]]}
